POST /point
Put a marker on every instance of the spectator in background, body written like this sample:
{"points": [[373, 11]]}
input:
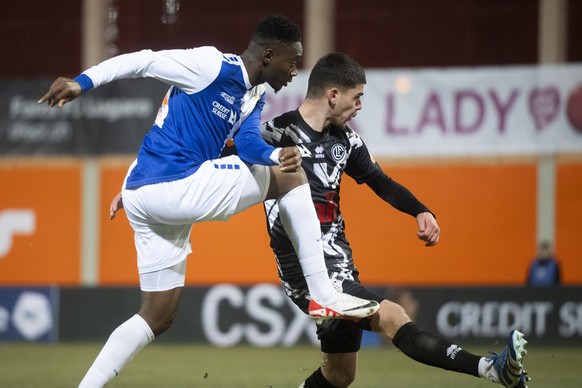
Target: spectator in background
{"points": [[544, 270]]}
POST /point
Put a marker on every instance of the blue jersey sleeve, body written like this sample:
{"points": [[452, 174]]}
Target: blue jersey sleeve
{"points": [[250, 145]]}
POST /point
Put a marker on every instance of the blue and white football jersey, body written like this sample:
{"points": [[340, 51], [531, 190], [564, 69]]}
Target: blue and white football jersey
{"points": [[210, 101]]}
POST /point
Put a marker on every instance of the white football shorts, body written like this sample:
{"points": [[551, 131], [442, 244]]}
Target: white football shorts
{"points": [[162, 214]]}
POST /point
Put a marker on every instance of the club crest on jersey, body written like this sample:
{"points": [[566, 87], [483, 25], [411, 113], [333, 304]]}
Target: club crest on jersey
{"points": [[338, 152]]}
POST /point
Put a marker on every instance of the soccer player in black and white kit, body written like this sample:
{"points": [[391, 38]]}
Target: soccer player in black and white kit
{"points": [[329, 149]]}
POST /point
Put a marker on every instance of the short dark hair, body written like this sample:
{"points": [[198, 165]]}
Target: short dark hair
{"points": [[334, 70], [276, 29]]}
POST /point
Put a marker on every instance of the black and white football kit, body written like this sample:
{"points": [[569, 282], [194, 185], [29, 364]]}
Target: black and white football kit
{"points": [[325, 157]]}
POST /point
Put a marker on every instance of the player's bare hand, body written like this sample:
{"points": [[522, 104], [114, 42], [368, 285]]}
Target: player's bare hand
{"points": [[428, 229], [289, 159], [61, 91], [116, 205]]}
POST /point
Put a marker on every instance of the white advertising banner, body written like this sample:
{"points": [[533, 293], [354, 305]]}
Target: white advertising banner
{"points": [[463, 111]]}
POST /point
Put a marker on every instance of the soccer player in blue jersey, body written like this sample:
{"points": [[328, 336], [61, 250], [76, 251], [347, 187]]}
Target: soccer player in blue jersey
{"points": [[329, 149], [178, 178]]}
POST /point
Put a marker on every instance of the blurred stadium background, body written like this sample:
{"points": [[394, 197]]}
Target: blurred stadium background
{"points": [[475, 105]]}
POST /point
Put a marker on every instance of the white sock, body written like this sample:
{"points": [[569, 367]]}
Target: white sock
{"points": [[123, 344], [301, 224], [487, 371]]}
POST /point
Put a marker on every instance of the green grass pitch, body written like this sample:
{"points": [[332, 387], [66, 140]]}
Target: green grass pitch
{"points": [[176, 366]]}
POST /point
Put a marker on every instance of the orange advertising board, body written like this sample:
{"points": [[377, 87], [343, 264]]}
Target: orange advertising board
{"points": [[39, 223], [568, 215], [487, 214], [118, 263]]}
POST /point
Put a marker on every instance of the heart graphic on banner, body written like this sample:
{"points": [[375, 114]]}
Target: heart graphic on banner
{"points": [[544, 105]]}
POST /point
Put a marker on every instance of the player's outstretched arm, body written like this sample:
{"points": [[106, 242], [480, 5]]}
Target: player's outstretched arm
{"points": [[61, 91], [428, 229]]}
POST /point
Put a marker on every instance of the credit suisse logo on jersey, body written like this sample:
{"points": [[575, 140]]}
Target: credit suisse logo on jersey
{"points": [[222, 111]]}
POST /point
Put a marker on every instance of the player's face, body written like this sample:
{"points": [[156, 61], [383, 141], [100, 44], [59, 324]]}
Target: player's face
{"points": [[348, 104], [283, 65]]}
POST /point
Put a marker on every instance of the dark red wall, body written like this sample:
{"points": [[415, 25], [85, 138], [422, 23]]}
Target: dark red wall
{"points": [[413, 33], [225, 24], [42, 38]]}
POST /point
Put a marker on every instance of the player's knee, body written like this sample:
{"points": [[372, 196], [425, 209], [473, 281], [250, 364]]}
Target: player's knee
{"points": [[160, 322], [164, 325], [391, 317], [284, 182], [294, 179], [342, 377]]}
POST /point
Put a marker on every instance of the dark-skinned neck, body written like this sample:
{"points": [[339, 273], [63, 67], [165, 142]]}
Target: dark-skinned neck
{"points": [[252, 58]]}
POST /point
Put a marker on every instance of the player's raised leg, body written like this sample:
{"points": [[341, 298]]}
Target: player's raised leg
{"points": [[302, 225], [506, 368]]}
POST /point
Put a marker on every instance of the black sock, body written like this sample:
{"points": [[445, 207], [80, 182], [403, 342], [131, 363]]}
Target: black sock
{"points": [[317, 380], [434, 351]]}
